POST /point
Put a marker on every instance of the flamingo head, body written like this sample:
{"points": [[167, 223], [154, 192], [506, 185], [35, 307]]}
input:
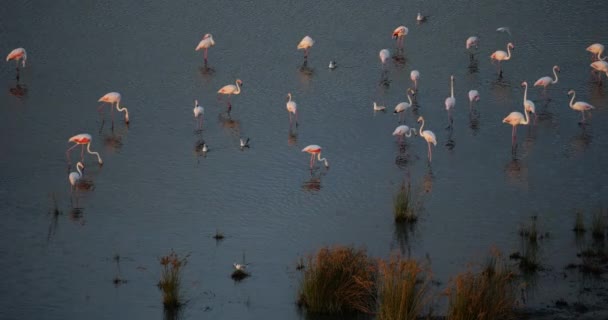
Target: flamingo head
{"points": [[239, 82], [570, 92], [510, 45], [556, 68], [289, 96], [452, 77], [420, 119], [524, 84]]}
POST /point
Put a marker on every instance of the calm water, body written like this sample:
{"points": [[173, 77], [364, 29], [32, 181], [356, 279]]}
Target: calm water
{"points": [[156, 193]]}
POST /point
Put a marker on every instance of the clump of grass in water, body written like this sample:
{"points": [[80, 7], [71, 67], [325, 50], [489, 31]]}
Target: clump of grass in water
{"points": [[403, 287], [598, 225], [489, 294], [405, 207], [338, 280], [170, 279], [579, 223], [218, 236]]}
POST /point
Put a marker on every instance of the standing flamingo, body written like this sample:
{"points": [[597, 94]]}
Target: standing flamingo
{"points": [[199, 113], [306, 43], [471, 42], [427, 135], [500, 55], [292, 107], [17, 54], [414, 76], [600, 66], [384, 55], [231, 89], [473, 97], [402, 106], [206, 43], [314, 149], [546, 81], [596, 50], [378, 107], [82, 139], [516, 118], [74, 177], [111, 98], [528, 104], [579, 105], [450, 102], [404, 131], [399, 34]]}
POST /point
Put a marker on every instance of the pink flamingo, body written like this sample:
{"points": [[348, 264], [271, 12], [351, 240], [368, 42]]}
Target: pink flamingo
{"points": [[314, 149], [206, 43], [292, 107], [414, 76], [402, 106], [596, 50], [579, 105], [500, 55], [112, 98], [450, 102], [600, 66], [231, 89], [428, 136], [306, 43], [516, 118], [471, 42], [404, 131], [17, 54], [74, 177], [384, 55], [546, 81], [83, 139], [473, 97], [399, 34], [199, 113]]}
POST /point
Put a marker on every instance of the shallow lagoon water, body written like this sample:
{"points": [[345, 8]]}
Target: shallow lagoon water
{"points": [[156, 193]]}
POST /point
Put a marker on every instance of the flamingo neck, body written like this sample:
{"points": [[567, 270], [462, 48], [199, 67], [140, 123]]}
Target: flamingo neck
{"points": [[508, 53], [322, 159], [238, 90], [289, 95], [409, 98], [525, 93], [409, 132], [422, 126], [79, 172], [572, 100], [452, 86], [527, 116], [127, 111], [95, 153], [555, 74]]}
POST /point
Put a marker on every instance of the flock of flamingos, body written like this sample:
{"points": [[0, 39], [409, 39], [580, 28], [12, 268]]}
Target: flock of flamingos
{"points": [[399, 34]]}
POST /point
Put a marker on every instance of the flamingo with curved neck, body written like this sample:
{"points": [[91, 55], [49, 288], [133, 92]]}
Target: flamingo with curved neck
{"points": [[231, 89], [579, 105], [114, 98], [82, 139], [402, 106], [516, 118], [292, 107], [500, 55], [404, 131], [428, 136], [314, 149], [546, 81], [450, 102], [74, 177]]}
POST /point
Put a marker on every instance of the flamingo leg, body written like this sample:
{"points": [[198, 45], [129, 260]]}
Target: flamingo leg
{"points": [[289, 114], [206, 56], [312, 158], [82, 153], [430, 154], [67, 152]]}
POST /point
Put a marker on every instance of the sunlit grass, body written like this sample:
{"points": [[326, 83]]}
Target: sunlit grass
{"points": [[170, 279], [338, 280], [403, 289], [486, 295]]}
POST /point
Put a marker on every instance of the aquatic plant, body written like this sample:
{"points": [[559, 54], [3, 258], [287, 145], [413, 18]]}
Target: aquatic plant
{"points": [[579, 223], [170, 279], [485, 295], [338, 280], [218, 236], [403, 289], [530, 231], [598, 225], [405, 206]]}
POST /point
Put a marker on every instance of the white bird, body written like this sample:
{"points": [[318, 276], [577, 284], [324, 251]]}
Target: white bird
{"points": [[240, 266], [414, 76], [332, 65], [305, 44], [428, 136], [600, 66], [206, 43], [399, 34], [579, 105], [504, 29], [74, 177], [17, 54], [402, 106], [472, 41], [404, 131], [420, 18], [244, 143], [546, 81], [384, 55], [450, 102], [473, 97], [596, 49], [205, 148], [198, 113], [378, 107], [292, 107]]}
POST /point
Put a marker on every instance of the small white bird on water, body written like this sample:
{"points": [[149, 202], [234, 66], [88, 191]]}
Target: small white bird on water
{"points": [[420, 18], [244, 143], [379, 108], [504, 29], [205, 149], [332, 65], [240, 266]]}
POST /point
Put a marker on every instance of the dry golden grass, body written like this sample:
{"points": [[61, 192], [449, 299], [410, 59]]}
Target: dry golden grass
{"points": [[338, 280], [170, 279], [403, 289]]}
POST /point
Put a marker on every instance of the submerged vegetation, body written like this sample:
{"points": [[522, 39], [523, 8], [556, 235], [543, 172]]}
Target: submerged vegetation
{"points": [[579, 223], [485, 295], [338, 280], [406, 205], [598, 225], [171, 278]]}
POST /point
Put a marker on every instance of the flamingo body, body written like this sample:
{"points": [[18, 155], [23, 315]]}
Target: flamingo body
{"points": [[384, 55], [74, 177], [600, 66], [306, 43], [472, 41], [206, 43], [18, 54], [528, 104], [404, 131], [579, 105], [596, 49], [500, 55], [400, 32], [231, 89], [546, 81], [414, 76], [83, 139], [473, 96], [378, 107]]}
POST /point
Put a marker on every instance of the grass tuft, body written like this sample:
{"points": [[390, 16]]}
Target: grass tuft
{"points": [[218, 236], [598, 225], [489, 294], [579, 223], [238, 275], [403, 287], [405, 207], [338, 280], [170, 279]]}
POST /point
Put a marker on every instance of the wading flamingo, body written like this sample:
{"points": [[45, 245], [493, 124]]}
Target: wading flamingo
{"points": [[516, 118], [384, 55], [528, 104], [579, 105], [292, 107], [600, 66], [546, 81], [596, 50], [414, 76], [471, 42], [500, 55], [199, 113], [305, 44], [74, 176], [399, 34], [450, 102], [473, 97], [404, 131], [206, 43], [402, 106], [111, 98], [231, 89], [82, 139], [427, 135], [17, 54], [378, 108], [314, 149]]}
